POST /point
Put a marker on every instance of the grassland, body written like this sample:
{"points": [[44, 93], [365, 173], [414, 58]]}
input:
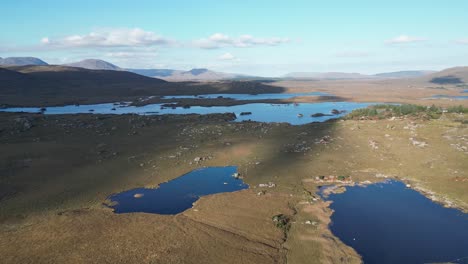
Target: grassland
{"points": [[57, 171]]}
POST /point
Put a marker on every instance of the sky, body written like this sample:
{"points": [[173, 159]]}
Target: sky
{"points": [[256, 37]]}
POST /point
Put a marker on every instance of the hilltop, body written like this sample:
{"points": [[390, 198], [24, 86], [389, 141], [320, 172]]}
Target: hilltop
{"points": [[93, 64], [21, 61], [455, 75]]}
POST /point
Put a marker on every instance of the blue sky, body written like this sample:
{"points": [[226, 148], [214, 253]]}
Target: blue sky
{"points": [[268, 38]]}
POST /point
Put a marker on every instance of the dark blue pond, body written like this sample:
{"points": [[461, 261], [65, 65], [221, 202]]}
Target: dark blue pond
{"points": [[389, 223], [178, 195]]}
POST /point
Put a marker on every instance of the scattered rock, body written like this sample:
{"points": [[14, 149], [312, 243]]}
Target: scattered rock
{"points": [[318, 115], [418, 143], [337, 112], [23, 124], [308, 222], [281, 221], [267, 185], [237, 175], [373, 144], [324, 140]]}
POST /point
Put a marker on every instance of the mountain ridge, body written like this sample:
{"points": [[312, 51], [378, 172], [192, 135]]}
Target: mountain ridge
{"points": [[21, 61]]}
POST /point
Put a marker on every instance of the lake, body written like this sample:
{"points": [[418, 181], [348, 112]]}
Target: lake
{"points": [[275, 96], [456, 97], [178, 195], [389, 223], [295, 114]]}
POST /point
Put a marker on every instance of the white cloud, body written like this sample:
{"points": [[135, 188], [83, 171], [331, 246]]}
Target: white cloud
{"points": [[219, 40], [402, 39], [121, 37], [227, 56], [462, 41]]}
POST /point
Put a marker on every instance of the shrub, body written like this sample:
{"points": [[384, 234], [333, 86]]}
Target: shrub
{"points": [[281, 221], [457, 109], [388, 110]]}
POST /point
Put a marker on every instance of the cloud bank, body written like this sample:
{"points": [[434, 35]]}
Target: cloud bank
{"points": [[121, 37], [218, 40]]}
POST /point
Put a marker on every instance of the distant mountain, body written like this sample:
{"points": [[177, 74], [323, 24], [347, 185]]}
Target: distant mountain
{"points": [[197, 74], [201, 74], [153, 72], [355, 76], [326, 75], [455, 75], [403, 74], [93, 64], [21, 61]]}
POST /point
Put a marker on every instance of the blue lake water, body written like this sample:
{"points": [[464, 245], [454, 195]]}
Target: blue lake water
{"points": [[261, 112], [276, 96], [389, 223], [178, 195], [456, 97]]}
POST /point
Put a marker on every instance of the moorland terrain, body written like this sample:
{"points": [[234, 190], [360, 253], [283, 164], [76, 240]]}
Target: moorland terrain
{"points": [[57, 171]]}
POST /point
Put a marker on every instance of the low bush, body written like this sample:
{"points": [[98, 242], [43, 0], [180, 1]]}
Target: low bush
{"points": [[389, 110]]}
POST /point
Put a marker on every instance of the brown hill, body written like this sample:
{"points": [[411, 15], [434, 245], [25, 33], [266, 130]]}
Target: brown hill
{"points": [[58, 85], [53, 82], [9, 75], [456, 75]]}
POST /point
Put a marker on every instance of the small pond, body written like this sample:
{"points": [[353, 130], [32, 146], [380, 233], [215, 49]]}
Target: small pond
{"points": [[389, 223], [295, 114], [178, 195]]}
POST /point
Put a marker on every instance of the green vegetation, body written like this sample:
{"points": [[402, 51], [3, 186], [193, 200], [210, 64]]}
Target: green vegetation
{"points": [[342, 177], [388, 110], [457, 109], [282, 221]]}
